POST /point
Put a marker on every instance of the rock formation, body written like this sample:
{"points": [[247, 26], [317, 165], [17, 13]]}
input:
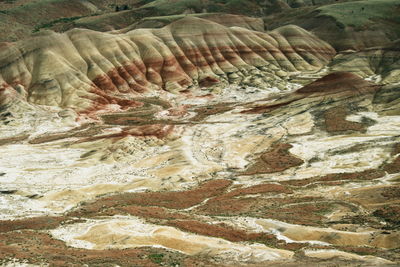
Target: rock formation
{"points": [[86, 70], [200, 139], [379, 63]]}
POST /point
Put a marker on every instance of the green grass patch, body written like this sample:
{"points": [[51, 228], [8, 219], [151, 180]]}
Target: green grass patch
{"points": [[172, 18], [50, 24], [172, 7], [156, 258], [53, 22], [362, 13]]}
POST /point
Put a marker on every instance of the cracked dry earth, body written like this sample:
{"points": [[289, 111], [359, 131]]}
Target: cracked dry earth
{"points": [[306, 176]]}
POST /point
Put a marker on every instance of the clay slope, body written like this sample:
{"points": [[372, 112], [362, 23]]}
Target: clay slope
{"points": [[88, 70], [382, 61], [309, 177]]}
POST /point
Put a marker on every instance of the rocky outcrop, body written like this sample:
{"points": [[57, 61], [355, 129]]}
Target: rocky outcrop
{"points": [[88, 70]]}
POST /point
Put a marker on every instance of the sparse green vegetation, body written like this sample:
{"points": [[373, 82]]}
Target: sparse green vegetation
{"points": [[172, 18], [361, 13], [167, 7], [156, 258], [53, 22]]}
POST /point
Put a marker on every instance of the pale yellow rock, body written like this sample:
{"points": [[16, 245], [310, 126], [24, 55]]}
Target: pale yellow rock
{"points": [[299, 124]]}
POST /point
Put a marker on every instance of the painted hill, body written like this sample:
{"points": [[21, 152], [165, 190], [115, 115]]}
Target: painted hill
{"points": [[381, 62], [199, 133], [83, 69]]}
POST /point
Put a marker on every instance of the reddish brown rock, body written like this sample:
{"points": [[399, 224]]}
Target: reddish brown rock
{"points": [[223, 231], [339, 82], [259, 189], [335, 121], [37, 223], [172, 200], [337, 85], [277, 159], [394, 166], [147, 212], [344, 177], [297, 210]]}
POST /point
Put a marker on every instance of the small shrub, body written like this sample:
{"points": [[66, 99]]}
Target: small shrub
{"points": [[156, 258]]}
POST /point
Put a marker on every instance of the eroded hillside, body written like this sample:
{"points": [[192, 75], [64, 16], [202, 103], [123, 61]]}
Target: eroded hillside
{"points": [[198, 140]]}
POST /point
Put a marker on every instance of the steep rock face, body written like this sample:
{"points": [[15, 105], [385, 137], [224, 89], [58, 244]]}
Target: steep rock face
{"points": [[88, 70]]}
